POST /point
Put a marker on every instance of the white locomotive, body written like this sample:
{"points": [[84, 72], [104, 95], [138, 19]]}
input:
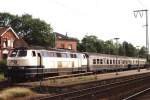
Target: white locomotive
{"points": [[23, 62]]}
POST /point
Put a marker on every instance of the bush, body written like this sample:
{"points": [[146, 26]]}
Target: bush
{"points": [[3, 65], [14, 92]]}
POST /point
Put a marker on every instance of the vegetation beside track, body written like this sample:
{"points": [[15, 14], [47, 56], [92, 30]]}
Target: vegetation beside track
{"points": [[73, 80], [1, 76], [14, 92]]}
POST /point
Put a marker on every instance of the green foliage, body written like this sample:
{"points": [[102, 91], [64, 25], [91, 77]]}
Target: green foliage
{"points": [[2, 76], [93, 44], [2, 66], [32, 30]]}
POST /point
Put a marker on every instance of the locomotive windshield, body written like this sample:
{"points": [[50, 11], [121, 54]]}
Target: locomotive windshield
{"points": [[13, 53], [18, 53], [22, 53]]}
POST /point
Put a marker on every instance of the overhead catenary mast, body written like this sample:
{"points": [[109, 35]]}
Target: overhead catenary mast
{"points": [[140, 12]]}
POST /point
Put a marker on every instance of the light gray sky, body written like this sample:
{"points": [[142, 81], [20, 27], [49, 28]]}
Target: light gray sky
{"points": [[105, 19]]}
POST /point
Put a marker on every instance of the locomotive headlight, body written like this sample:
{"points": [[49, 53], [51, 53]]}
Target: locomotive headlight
{"points": [[12, 62], [9, 67]]}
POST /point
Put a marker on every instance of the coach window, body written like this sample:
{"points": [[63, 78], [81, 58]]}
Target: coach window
{"points": [[98, 62], [113, 61], [101, 61], [33, 53], [94, 61], [118, 61], [107, 61], [110, 61]]}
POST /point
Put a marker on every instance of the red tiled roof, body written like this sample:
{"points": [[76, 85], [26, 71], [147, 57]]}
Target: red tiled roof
{"points": [[64, 37]]}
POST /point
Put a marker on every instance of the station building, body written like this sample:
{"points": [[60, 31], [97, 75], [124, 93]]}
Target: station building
{"points": [[8, 41], [65, 42]]}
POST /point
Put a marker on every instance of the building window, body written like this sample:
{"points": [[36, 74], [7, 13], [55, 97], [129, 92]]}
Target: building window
{"points": [[69, 46], [5, 42]]}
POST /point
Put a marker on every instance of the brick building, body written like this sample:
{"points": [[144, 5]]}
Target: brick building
{"points": [[65, 42], [8, 41]]}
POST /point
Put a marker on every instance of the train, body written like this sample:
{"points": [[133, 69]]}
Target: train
{"points": [[30, 62]]}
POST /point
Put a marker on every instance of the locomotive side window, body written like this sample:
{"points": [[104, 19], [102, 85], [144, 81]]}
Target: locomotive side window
{"points": [[58, 54], [64, 55], [22, 53], [33, 53], [73, 55], [13, 53], [51, 54]]}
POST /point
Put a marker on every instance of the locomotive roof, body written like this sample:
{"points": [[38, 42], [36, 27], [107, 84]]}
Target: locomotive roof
{"points": [[44, 48]]}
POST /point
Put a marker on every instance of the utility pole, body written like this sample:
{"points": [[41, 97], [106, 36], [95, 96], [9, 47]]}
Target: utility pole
{"points": [[140, 12], [138, 57], [116, 54]]}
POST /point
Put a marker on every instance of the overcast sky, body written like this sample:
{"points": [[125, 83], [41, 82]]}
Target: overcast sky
{"points": [[105, 19]]}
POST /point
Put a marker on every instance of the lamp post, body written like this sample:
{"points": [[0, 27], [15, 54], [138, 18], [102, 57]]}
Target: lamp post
{"points": [[138, 58], [116, 53]]}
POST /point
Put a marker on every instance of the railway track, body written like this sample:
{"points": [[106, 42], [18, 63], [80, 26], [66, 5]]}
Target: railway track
{"points": [[137, 94], [113, 91]]}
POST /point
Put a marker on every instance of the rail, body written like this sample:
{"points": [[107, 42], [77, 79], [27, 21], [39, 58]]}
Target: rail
{"points": [[136, 94], [93, 90]]}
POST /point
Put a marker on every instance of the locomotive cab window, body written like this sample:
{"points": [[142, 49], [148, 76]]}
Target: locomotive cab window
{"points": [[22, 53], [33, 53]]}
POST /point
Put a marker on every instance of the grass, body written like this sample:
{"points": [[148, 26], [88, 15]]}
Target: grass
{"points": [[1, 77], [14, 92], [72, 80]]}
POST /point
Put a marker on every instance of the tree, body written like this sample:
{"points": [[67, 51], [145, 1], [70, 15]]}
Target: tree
{"points": [[142, 52], [33, 30], [109, 47], [91, 44]]}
